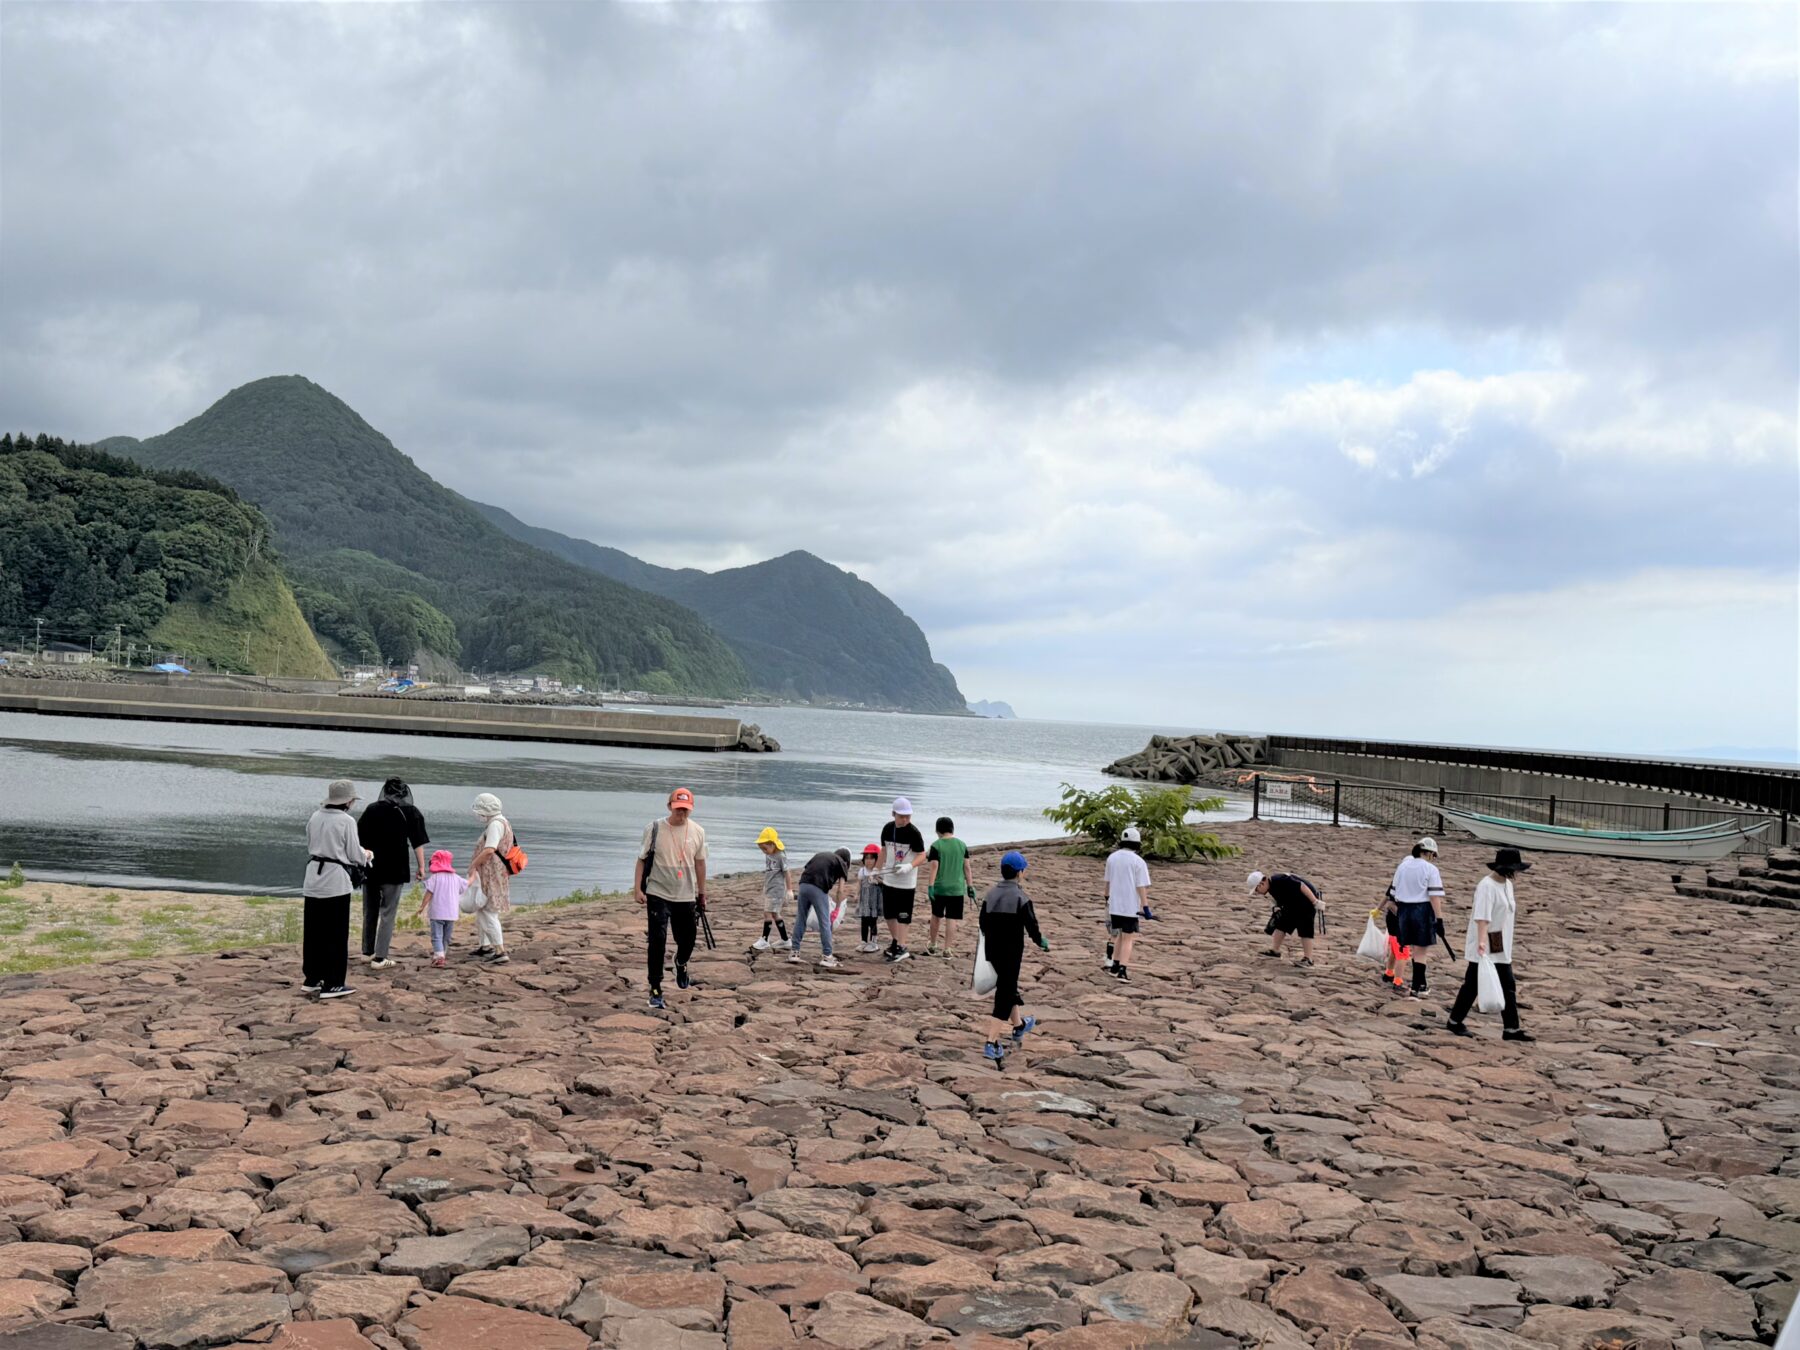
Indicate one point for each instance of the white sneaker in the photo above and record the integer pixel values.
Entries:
(868, 947)
(828, 962)
(760, 945)
(793, 958)
(380, 963)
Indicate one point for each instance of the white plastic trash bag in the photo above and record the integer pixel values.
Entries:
(986, 977)
(1489, 996)
(1374, 943)
(472, 898)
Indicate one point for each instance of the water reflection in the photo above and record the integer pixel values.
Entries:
(143, 803)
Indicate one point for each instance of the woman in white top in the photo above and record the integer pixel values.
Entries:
(488, 869)
(1491, 935)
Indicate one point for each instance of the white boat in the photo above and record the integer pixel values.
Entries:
(1702, 843)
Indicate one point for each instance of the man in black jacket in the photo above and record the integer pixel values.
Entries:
(389, 827)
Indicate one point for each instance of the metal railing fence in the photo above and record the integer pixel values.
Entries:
(1341, 801)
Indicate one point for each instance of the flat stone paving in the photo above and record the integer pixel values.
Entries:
(1230, 1150)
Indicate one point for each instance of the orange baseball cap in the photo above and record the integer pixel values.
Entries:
(681, 797)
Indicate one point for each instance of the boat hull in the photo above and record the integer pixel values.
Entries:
(1676, 846)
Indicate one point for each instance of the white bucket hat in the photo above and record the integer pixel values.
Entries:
(1427, 844)
(902, 807)
(1252, 881)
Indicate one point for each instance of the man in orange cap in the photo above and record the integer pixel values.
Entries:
(671, 886)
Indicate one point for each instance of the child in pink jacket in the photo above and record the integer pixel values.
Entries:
(442, 903)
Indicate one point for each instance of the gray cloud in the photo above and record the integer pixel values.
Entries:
(712, 282)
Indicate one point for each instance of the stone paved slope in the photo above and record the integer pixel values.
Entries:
(1231, 1150)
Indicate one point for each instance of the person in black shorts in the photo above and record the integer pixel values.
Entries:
(1296, 910)
(902, 849)
(1006, 920)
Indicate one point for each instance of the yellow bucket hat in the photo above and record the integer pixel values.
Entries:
(768, 836)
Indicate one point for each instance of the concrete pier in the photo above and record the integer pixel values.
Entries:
(388, 716)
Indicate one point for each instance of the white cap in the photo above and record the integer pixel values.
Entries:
(1131, 835)
(902, 807)
(1428, 844)
(1252, 881)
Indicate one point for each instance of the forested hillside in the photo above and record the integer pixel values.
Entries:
(389, 560)
(95, 545)
(803, 628)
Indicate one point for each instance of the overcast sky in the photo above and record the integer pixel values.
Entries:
(1426, 372)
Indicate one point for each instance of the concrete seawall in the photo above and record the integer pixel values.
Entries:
(1527, 773)
(327, 712)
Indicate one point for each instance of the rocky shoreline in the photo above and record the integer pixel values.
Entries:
(1228, 1151)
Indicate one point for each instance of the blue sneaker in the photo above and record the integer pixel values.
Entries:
(656, 1002)
(1023, 1027)
(993, 1050)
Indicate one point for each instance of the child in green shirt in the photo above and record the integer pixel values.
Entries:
(949, 884)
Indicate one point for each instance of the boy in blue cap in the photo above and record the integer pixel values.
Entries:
(1007, 918)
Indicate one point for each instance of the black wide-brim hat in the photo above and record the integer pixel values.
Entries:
(1508, 860)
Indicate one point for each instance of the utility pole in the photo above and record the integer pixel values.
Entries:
(40, 643)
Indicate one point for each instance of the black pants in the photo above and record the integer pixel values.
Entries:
(1465, 997)
(1006, 960)
(662, 915)
(324, 940)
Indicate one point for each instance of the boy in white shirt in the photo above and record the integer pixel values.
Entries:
(1127, 894)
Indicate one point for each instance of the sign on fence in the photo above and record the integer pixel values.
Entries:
(1278, 792)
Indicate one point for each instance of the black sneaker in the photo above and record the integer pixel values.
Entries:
(898, 955)
(1119, 972)
(337, 991)
(1517, 1036)
(1266, 952)
(1457, 1029)
(681, 977)
(1305, 962)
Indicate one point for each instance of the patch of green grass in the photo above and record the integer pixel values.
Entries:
(14, 879)
(258, 901)
(20, 963)
(72, 940)
(581, 898)
(10, 926)
(108, 918)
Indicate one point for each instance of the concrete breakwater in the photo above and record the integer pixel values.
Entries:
(329, 712)
(1190, 759)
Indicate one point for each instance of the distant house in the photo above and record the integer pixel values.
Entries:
(67, 654)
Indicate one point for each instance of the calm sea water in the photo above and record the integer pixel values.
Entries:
(217, 807)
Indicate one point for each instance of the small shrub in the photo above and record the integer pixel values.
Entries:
(1159, 813)
(14, 878)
